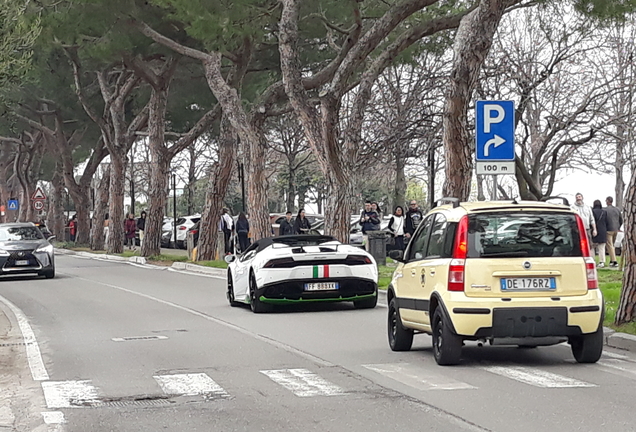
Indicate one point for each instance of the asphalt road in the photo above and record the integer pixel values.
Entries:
(128, 348)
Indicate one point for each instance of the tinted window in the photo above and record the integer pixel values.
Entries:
(436, 245)
(417, 245)
(180, 221)
(196, 220)
(523, 235)
(20, 233)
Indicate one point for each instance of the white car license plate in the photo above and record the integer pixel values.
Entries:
(321, 286)
(22, 262)
(528, 284)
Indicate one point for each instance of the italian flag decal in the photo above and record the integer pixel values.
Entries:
(321, 271)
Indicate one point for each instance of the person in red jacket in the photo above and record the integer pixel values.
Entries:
(72, 227)
(130, 227)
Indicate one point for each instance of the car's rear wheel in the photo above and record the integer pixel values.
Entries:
(400, 338)
(230, 290)
(256, 304)
(447, 346)
(369, 303)
(588, 348)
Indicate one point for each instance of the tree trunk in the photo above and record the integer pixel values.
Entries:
(472, 44)
(81, 198)
(217, 188)
(99, 214)
(480, 188)
(116, 204)
(192, 178)
(627, 307)
(55, 216)
(338, 208)
(291, 188)
(619, 165)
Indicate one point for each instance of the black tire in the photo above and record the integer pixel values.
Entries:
(49, 274)
(400, 338)
(256, 304)
(230, 290)
(588, 348)
(369, 303)
(447, 346)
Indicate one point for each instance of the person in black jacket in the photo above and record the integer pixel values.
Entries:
(301, 225)
(600, 239)
(286, 226)
(141, 227)
(243, 229)
(369, 219)
(413, 218)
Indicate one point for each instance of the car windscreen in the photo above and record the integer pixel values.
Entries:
(20, 234)
(508, 235)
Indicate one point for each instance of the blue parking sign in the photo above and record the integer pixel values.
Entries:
(13, 205)
(495, 131)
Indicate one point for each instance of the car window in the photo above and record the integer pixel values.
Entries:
(180, 221)
(20, 234)
(196, 220)
(419, 242)
(436, 244)
(522, 235)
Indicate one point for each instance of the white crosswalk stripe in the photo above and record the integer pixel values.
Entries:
(418, 377)
(303, 383)
(66, 394)
(189, 385)
(537, 377)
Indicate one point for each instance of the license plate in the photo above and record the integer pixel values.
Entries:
(321, 286)
(528, 284)
(22, 262)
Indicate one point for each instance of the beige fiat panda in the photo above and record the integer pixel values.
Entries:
(514, 272)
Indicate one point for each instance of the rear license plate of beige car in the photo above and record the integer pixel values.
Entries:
(321, 286)
(528, 284)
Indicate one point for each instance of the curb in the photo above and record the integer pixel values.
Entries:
(199, 269)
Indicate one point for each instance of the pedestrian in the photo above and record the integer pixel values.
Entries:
(396, 226)
(227, 226)
(600, 239)
(614, 223)
(370, 221)
(106, 230)
(286, 226)
(130, 228)
(413, 217)
(72, 228)
(243, 229)
(585, 212)
(141, 226)
(376, 208)
(301, 224)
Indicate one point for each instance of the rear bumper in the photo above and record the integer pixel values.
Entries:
(529, 317)
(293, 291)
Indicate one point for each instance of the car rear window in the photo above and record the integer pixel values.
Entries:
(180, 221)
(507, 235)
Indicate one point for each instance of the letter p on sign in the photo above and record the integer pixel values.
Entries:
(488, 115)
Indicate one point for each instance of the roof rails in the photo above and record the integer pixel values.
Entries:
(454, 201)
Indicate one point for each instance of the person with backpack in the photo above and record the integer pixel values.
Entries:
(396, 226)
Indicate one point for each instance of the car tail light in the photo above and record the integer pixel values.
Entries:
(194, 231)
(584, 242)
(357, 260)
(183, 228)
(280, 263)
(590, 269)
(458, 263)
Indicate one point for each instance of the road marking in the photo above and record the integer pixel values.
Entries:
(417, 377)
(53, 417)
(615, 355)
(133, 338)
(241, 330)
(536, 377)
(303, 383)
(66, 394)
(619, 365)
(189, 385)
(34, 357)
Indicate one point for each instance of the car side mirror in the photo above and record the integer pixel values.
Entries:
(230, 258)
(397, 255)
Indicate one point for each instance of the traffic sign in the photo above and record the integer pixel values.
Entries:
(13, 205)
(38, 205)
(38, 194)
(495, 137)
(495, 167)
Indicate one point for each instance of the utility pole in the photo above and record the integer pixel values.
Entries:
(431, 176)
(241, 174)
(174, 207)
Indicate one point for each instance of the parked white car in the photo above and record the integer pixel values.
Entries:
(184, 223)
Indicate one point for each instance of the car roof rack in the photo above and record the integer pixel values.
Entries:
(451, 200)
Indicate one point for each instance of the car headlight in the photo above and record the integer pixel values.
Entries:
(46, 248)
(4, 253)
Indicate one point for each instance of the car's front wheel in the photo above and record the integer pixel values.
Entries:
(400, 338)
(447, 346)
(256, 304)
(588, 348)
(230, 290)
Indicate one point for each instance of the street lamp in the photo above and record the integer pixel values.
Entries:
(174, 207)
(241, 176)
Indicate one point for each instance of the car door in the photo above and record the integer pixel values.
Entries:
(411, 302)
(242, 272)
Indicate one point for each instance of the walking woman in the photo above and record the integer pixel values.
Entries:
(301, 225)
(396, 226)
(130, 227)
(599, 240)
(243, 229)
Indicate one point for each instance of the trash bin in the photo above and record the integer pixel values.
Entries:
(377, 246)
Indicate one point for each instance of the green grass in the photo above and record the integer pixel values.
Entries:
(215, 264)
(385, 274)
(168, 258)
(611, 282)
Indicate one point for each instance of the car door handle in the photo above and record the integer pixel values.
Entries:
(413, 272)
(432, 272)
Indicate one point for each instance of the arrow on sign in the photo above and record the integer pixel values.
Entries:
(493, 142)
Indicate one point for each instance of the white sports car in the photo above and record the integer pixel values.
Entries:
(301, 268)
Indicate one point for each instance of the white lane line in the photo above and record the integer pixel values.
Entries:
(53, 417)
(303, 383)
(34, 357)
(136, 338)
(537, 377)
(621, 366)
(66, 394)
(241, 330)
(615, 355)
(189, 385)
(189, 273)
(416, 377)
